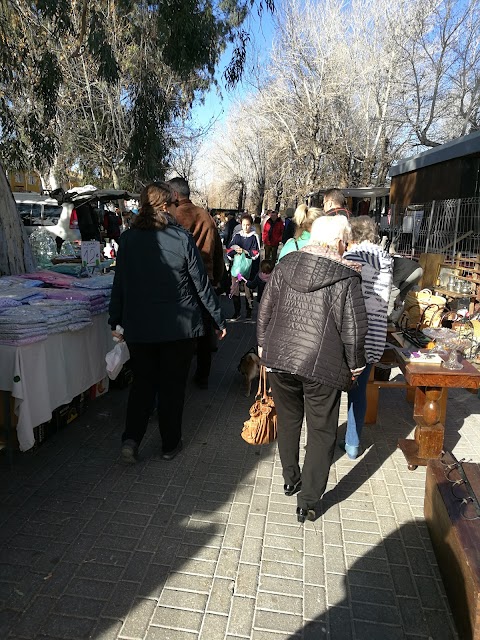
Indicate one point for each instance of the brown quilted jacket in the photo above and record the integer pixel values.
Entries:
(201, 225)
(312, 320)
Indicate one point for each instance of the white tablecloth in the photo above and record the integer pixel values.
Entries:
(44, 375)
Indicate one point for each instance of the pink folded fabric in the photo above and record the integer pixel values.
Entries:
(50, 277)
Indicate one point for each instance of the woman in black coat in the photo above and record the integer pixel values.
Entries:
(159, 290)
(311, 329)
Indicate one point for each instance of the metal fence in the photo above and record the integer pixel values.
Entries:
(448, 227)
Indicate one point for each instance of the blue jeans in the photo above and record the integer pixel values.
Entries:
(357, 407)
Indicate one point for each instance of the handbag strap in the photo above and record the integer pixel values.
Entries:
(262, 383)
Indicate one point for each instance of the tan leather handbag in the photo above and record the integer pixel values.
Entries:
(261, 428)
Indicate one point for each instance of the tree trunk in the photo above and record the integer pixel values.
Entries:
(15, 251)
(115, 178)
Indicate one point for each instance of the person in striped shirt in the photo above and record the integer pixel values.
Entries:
(377, 269)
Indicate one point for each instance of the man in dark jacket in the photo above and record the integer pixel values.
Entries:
(335, 204)
(272, 235)
(229, 227)
(311, 331)
(204, 230)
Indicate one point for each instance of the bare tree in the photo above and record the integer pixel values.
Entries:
(349, 89)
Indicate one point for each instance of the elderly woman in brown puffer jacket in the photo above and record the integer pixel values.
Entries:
(311, 330)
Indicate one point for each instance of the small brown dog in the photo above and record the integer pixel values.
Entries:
(249, 367)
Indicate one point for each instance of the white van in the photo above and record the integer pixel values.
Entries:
(37, 210)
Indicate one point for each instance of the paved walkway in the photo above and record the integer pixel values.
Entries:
(207, 546)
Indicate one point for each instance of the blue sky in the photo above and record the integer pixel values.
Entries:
(216, 107)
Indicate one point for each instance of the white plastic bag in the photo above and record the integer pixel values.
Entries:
(117, 357)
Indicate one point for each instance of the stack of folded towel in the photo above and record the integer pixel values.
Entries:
(22, 325)
(65, 315)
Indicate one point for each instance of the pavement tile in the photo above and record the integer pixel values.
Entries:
(241, 616)
(115, 542)
(153, 581)
(274, 584)
(287, 543)
(67, 627)
(246, 583)
(239, 514)
(183, 599)
(195, 567)
(256, 525)
(90, 588)
(279, 602)
(103, 572)
(334, 559)
(336, 588)
(367, 563)
(120, 600)
(221, 596)
(276, 621)
(293, 556)
(227, 564)
(61, 576)
(214, 627)
(413, 616)
(340, 623)
(375, 631)
(138, 619)
(314, 602)
(196, 552)
(32, 618)
(200, 538)
(107, 629)
(440, 625)
(403, 581)
(180, 619)
(200, 584)
(74, 605)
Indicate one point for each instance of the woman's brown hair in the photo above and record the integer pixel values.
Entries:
(154, 198)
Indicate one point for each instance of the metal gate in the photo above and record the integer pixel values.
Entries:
(442, 226)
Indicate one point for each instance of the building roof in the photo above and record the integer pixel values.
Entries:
(358, 192)
(464, 146)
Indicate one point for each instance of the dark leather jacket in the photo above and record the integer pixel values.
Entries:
(161, 287)
(312, 319)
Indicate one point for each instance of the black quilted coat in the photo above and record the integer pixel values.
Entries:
(312, 319)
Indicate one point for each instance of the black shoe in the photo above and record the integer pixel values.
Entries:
(305, 514)
(129, 452)
(170, 455)
(235, 317)
(290, 489)
(249, 313)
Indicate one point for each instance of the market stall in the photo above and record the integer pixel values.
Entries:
(45, 375)
(54, 336)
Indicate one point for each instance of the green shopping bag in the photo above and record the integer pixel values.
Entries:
(241, 265)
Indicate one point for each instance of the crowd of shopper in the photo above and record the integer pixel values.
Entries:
(324, 301)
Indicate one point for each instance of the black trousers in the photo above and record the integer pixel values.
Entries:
(295, 396)
(159, 368)
(204, 348)
(271, 254)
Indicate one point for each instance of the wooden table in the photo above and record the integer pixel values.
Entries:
(431, 383)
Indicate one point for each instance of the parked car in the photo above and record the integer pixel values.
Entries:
(57, 211)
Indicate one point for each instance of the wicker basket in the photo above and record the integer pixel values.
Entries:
(423, 309)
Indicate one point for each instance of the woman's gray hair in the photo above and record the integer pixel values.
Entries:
(364, 228)
(329, 230)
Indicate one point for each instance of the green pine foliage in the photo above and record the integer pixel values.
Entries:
(99, 83)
